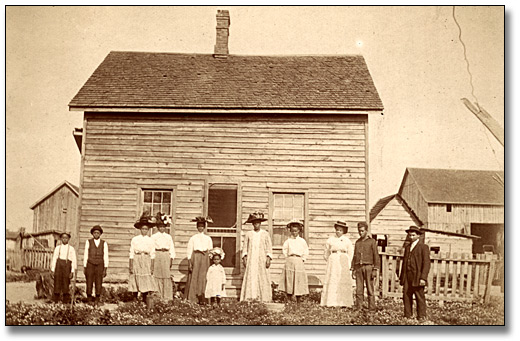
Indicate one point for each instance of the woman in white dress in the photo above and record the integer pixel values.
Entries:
(142, 255)
(337, 287)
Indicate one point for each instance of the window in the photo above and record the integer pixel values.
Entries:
(448, 207)
(155, 201)
(222, 208)
(285, 207)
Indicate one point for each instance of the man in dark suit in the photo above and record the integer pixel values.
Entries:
(414, 273)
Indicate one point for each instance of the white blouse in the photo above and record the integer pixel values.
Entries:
(163, 240)
(65, 252)
(199, 242)
(142, 244)
(339, 244)
(295, 246)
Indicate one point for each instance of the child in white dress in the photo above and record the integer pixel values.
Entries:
(215, 277)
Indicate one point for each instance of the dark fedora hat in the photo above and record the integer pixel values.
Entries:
(96, 228)
(342, 224)
(255, 216)
(67, 233)
(202, 219)
(414, 229)
(145, 220)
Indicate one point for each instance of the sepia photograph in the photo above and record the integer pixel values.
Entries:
(255, 165)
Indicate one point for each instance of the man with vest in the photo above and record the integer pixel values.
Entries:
(95, 262)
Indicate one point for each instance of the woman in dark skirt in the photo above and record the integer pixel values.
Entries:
(62, 268)
(198, 262)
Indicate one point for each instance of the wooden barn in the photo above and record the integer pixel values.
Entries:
(224, 135)
(468, 202)
(391, 216)
(56, 210)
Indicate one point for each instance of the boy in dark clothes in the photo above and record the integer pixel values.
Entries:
(364, 266)
(95, 262)
(62, 268)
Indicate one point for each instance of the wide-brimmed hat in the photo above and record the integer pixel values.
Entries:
(414, 229)
(202, 219)
(216, 251)
(67, 233)
(145, 220)
(255, 216)
(295, 222)
(342, 224)
(96, 228)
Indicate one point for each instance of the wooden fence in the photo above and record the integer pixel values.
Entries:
(36, 258)
(452, 277)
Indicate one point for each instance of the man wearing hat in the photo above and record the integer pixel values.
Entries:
(256, 256)
(95, 262)
(414, 273)
(62, 268)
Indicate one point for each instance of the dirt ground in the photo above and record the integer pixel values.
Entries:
(21, 291)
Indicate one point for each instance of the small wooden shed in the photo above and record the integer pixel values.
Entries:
(469, 202)
(224, 135)
(56, 210)
(391, 216)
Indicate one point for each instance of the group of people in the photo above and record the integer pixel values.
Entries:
(151, 258)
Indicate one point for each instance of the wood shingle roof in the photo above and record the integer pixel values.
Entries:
(453, 186)
(176, 80)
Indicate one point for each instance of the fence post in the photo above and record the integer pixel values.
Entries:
(491, 274)
(384, 272)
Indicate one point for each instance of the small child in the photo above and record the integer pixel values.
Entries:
(62, 268)
(295, 249)
(216, 277)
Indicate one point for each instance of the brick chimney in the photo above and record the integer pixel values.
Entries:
(221, 46)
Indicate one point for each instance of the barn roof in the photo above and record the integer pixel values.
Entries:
(449, 186)
(74, 188)
(201, 81)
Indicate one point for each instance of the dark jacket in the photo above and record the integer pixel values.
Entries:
(365, 253)
(417, 262)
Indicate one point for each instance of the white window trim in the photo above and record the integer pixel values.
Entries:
(305, 193)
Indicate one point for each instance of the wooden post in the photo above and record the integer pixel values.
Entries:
(454, 275)
(446, 276)
(384, 272)
(491, 274)
(469, 278)
(477, 278)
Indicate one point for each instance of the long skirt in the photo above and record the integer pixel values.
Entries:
(294, 278)
(196, 284)
(142, 280)
(161, 273)
(337, 287)
(256, 283)
(62, 276)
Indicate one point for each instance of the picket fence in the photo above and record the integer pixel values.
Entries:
(36, 258)
(452, 277)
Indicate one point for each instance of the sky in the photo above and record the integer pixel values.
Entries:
(413, 53)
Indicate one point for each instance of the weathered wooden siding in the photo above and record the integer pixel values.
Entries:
(461, 216)
(392, 221)
(57, 212)
(323, 155)
(409, 191)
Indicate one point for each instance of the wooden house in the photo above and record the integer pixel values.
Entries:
(224, 135)
(469, 202)
(56, 210)
(391, 216)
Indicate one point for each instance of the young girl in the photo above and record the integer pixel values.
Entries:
(216, 277)
(295, 249)
(62, 268)
(142, 255)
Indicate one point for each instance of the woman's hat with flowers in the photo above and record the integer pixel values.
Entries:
(216, 251)
(295, 222)
(202, 219)
(255, 216)
(147, 220)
